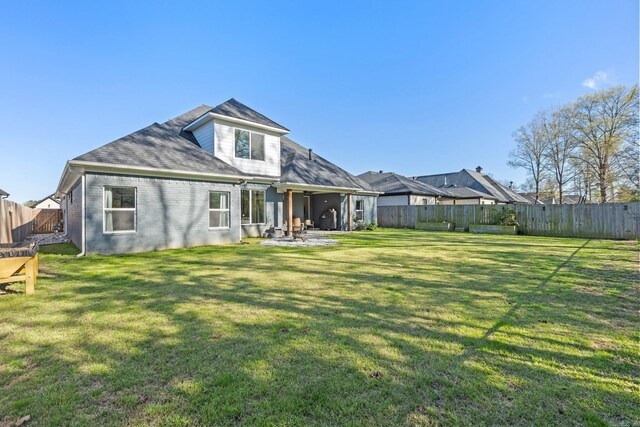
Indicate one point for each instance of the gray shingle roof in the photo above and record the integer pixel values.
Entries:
(531, 197)
(160, 147)
(237, 110)
(3, 193)
(467, 193)
(393, 183)
(177, 123)
(168, 146)
(475, 181)
(298, 169)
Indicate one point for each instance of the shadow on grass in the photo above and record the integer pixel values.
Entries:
(253, 335)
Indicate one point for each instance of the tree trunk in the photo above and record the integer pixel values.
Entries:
(560, 192)
(603, 184)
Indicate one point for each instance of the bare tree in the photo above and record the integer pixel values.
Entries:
(529, 153)
(603, 122)
(560, 146)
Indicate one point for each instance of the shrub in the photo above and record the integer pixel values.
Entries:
(505, 216)
(361, 225)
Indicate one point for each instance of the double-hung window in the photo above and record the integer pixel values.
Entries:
(252, 207)
(249, 145)
(218, 209)
(119, 209)
(359, 210)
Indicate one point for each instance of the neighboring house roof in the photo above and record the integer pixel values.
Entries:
(467, 193)
(3, 193)
(531, 197)
(50, 196)
(475, 181)
(298, 168)
(392, 183)
(567, 199)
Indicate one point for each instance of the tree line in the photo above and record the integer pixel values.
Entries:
(589, 147)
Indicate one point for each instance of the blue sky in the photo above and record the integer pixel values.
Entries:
(413, 87)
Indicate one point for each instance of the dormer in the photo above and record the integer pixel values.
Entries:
(241, 137)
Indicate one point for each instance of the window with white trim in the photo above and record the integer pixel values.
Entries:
(252, 207)
(218, 209)
(119, 209)
(249, 145)
(359, 210)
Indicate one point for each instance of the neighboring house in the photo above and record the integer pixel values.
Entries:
(399, 190)
(466, 196)
(48, 202)
(488, 190)
(3, 194)
(567, 199)
(208, 176)
(531, 197)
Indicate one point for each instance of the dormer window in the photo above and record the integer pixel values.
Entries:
(249, 145)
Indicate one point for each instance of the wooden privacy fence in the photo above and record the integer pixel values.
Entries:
(18, 222)
(46, 220)
(603, 221)
(15, 221)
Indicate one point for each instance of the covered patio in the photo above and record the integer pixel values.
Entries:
(309, 204)
(311, 186)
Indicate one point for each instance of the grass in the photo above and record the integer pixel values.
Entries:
(389, 327)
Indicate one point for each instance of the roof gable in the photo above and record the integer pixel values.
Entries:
(237, 110)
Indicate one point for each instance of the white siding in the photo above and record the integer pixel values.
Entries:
(204, 135)
(47, 203)
(224, 142)
(401, 200)
(467, 202)
(419, 200)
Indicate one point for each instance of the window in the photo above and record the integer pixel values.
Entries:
(249, 145)
(359, 210)
(218, 209)
(119, 209)
(252, 207)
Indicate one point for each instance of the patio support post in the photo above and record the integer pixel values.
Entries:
(289, 212)
(350, 214)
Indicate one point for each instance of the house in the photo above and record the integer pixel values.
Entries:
(211, 175)
(466, 196)
(567, 199)
(531, 197)
(399, 190)
(3, 194)
(484, 189)
(48, 202)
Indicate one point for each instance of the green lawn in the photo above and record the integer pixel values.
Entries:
(389, 327)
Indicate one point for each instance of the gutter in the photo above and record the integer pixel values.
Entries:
(330, 189)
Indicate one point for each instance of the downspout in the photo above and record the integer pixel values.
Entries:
(84, 204)
(64, 215)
